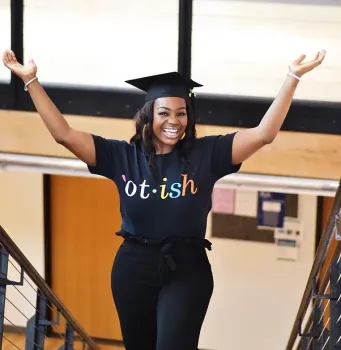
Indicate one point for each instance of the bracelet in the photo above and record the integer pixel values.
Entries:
(29, 82)
(294, 76)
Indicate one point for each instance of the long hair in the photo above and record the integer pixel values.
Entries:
(144, 134)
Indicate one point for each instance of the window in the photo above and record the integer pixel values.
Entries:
(101, 42)
(5, 30)
(244, 47)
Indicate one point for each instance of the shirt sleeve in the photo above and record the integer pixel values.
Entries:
(221, 160)
(108, 157)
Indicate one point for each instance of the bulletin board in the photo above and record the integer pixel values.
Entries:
(235, 215)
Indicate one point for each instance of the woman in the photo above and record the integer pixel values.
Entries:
(161, 278)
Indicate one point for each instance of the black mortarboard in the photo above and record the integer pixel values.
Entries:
(171, 84)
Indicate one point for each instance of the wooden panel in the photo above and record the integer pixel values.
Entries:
(85, 216)
(326, 209)
(291, 154)
(327, 206)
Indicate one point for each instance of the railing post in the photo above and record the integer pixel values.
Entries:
(69, 338)
(313, 339)
(3, 284)
(317, 328)
(335, 306)
(36, 326)
(35, 331)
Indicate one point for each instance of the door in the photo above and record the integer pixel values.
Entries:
(84, 218)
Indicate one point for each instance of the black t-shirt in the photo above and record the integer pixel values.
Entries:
(178, 204)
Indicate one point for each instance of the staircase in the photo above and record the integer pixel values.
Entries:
(46, 312)
(317, 325)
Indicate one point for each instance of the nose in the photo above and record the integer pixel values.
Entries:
(172, 119)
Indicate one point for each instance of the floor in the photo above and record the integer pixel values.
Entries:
(18, 341)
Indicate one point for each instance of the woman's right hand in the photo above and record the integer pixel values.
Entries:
(25, 73)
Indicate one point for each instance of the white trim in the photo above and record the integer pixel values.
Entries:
(75, 167)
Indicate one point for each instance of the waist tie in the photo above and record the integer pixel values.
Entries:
(167, 258)
(167, 262)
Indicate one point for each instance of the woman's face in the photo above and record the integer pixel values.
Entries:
(169, 122)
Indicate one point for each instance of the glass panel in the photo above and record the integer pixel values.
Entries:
(5, 31)
(245, 47)
(101, 42)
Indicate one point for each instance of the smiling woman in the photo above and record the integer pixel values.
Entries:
(170, 121)
(166, 120)
(161, 274)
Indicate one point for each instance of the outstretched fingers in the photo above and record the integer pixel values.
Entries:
(300, 59)
(318, 59)
(5, 57)
(8, 57)
(12, 55)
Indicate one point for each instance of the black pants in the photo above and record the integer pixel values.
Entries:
(161, 293)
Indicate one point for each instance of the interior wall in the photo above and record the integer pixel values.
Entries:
(22, 217)
(291, 154)
(253, 291)
(256, 297)
(238, 47)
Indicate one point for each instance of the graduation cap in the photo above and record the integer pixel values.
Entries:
(171, 84)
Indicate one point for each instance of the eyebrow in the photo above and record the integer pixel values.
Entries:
(170, 109)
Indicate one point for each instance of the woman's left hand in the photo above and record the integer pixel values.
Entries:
(299, 68)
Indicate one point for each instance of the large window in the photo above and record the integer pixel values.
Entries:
(101, 42)
(245, 47)
(5, 32)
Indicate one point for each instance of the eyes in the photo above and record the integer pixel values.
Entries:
(166, 114)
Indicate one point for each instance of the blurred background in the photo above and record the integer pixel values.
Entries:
(273, 226)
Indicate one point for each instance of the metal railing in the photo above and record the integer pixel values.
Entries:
(37, 325)
(254, 182)
(320, 328)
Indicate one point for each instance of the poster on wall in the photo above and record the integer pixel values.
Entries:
(223, 200)
(270, 210)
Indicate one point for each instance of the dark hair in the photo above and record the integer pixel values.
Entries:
(144, 136)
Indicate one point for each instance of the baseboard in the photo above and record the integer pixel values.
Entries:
(22, 330)
(14, 329)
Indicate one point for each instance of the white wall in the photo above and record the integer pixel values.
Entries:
(21, 215)
(244, 48)
(239, 47)
(5, 30)
(107, 41)
(256, 297)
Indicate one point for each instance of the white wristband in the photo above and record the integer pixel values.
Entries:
(29, 82)
(294, 76)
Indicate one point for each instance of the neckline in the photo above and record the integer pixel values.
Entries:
(161, 155)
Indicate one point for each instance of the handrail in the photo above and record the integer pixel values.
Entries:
(320, 256)
(321, 290)
(17, 254)
(72, 166)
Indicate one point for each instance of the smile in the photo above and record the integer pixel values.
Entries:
(171, 133)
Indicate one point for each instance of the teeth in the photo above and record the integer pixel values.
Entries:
(171, 133)
(171, 130)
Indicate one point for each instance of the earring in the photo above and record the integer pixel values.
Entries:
(144, 128)
(183, 136)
